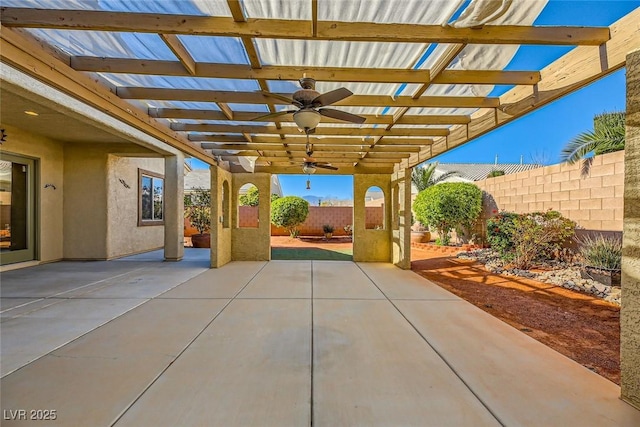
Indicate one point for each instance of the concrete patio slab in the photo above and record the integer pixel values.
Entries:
(247, 345)
(403, 284)
(219, 282)
(506, 368)
(281, 279)
(372, 369)
(28, 337)
(92, 380)
(342, 280)
(244, 370)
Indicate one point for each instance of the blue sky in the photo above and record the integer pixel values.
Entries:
(538, 136)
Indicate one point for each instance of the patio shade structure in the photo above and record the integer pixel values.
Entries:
(197, 73)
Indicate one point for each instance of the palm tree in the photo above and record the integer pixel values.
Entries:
(424, 177)
(606, 137)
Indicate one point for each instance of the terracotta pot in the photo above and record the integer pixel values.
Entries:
(201, 240)
(328, 235)
(420, 236)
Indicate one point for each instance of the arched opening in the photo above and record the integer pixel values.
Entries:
(374, 202)
(226, 204)
(248, 206)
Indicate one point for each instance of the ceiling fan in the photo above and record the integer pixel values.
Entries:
(310, 103)
(310, 164)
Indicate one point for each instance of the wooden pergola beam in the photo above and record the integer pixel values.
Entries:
(330, 148)
(245, 116)
(574, 70)
(181, 52)
(27, 55)
(197, 95)
(357, 141)
(288, 169)
(298, 29)
(343, 131)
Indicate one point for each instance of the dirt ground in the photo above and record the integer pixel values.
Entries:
(580, 326)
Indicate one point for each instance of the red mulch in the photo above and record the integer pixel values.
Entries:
(582, 327)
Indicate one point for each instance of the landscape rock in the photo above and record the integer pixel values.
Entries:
(561, 274)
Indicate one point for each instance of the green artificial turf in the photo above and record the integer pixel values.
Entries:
(311, 254)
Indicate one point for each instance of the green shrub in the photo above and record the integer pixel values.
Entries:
(197, 207)
(251, 197)
(601, 252)
(495, 173)
(500, 230)
(525, 238)
(289, 212)
(327, 228)
(448, 206)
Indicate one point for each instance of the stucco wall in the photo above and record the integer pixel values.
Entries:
(50, 157)
(371, 245)
(630, 311)
(594, 202)
(220, 225)
(124, 236)
(401, 218)
(251, 243)
(85, 201)
(100, 213)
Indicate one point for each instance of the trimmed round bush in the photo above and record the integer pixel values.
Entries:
(449, 206)
(289, 212)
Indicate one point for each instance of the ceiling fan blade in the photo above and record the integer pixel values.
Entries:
(309, 159)
(281, 98)
(269, 117)
(342, 115)
(326, 166)
(331, 97)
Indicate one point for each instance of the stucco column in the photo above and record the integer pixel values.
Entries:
(630, 312)
(174, 207)
(401, 183)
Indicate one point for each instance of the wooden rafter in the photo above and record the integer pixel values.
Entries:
(569, 73)
(181, 52)
(244, 116)
(331, 148)
(298, 29)
(346, 131)
(239, 71)
(197, 95)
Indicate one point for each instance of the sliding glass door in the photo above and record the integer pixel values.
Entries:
(17, 209)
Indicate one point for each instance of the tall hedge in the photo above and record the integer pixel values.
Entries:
(449, 206)
(289, 212)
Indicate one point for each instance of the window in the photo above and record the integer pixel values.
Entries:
(151, 198)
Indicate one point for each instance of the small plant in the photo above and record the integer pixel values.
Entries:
(348, 229)
(602, 252)
(495, 173)
(327, 228)
(524, 238)
(289, 212)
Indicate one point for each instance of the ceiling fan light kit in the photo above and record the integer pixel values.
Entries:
(306, 119)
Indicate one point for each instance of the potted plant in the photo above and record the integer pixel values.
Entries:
(328, 231)
(198, 211)
(602, 257)
(419, 233)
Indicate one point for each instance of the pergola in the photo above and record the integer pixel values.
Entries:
(194, 76)
(434, 112)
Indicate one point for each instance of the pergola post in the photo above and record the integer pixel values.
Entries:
(221, 182)
(252, 243)
(630, 312)
(401, 213)
(174, 207)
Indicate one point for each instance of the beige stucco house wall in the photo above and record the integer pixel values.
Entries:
(49, 210)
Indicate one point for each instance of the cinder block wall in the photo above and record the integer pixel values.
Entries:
(594, 202)
(338, 216)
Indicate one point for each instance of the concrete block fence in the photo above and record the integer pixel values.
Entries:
(594, 202)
